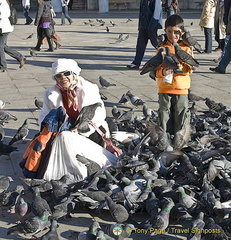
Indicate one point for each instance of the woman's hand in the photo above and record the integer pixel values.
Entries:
(166, 71)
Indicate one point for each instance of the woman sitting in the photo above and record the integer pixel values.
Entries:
(61, 107)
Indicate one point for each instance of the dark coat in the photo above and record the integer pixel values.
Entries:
(228, 20)
(44, 12)
(150, 16)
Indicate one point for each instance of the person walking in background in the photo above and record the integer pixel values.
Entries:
(219, 26)
(5, 29)
(171, 7)
(207, 23)
(54, 36)
(43, 20)
(65, 12)
(26, 8)
(150, 20)
(226, 58)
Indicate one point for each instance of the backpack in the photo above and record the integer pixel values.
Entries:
(13, 15)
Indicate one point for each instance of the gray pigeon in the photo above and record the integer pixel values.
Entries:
(92, 166)
(124, 99)
(60, 188)
(38, 103)
(153, 63)
(152, 204)
(116, 113)
(5, 183)
(186, 200)
(64, 208)
(39, 205)
(21, 133)
(161, 221)
(85, 116)
(196, 227)
(22, 207)
(216, 166)
(184, 56)
(133, 188)
(6, 116)
(148, 112)
(126, 116)
(135, 100)
(212, 105)
(189, 40)
(52, 234)
(30, 36)
(170, 60)
(31, 226)
(158, 135)
(183, 135)
(118, 212)
(104, 83)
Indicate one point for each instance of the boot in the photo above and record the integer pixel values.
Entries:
(57, 45)
(38, 45)
(50, 43)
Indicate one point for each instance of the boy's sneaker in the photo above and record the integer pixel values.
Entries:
(133, 66)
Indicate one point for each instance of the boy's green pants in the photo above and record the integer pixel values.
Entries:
(173, 110)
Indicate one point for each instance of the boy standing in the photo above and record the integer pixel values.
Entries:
(173, 87)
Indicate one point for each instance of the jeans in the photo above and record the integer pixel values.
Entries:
(5, 49)
(173, 110)
(142, 41)
(208, 40)
(227, 56)
(29, 20)
(65, 15)
(226, 41)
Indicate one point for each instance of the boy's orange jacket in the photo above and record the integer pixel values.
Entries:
(181, 81)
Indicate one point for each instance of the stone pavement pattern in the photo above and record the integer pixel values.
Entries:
(98, 54)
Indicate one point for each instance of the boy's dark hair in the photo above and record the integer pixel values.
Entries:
(174, 21)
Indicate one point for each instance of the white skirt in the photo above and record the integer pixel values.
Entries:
(63, 160)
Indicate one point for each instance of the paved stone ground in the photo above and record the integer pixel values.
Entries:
(98, 54)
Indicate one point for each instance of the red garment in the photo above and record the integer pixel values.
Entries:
(69, 110)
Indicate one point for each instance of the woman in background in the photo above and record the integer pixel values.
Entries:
(43, 20)
(207, 23)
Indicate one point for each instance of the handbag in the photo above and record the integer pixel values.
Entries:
(13, 15)
(108, 142)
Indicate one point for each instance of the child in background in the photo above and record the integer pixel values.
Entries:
(173, 96)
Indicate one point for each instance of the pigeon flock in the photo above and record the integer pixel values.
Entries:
(168, 179)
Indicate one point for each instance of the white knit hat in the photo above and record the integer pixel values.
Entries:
(64, 64)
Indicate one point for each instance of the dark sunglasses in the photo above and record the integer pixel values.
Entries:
(59, 75)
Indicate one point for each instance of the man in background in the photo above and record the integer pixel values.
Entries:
(150, 20)
(26, 8)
